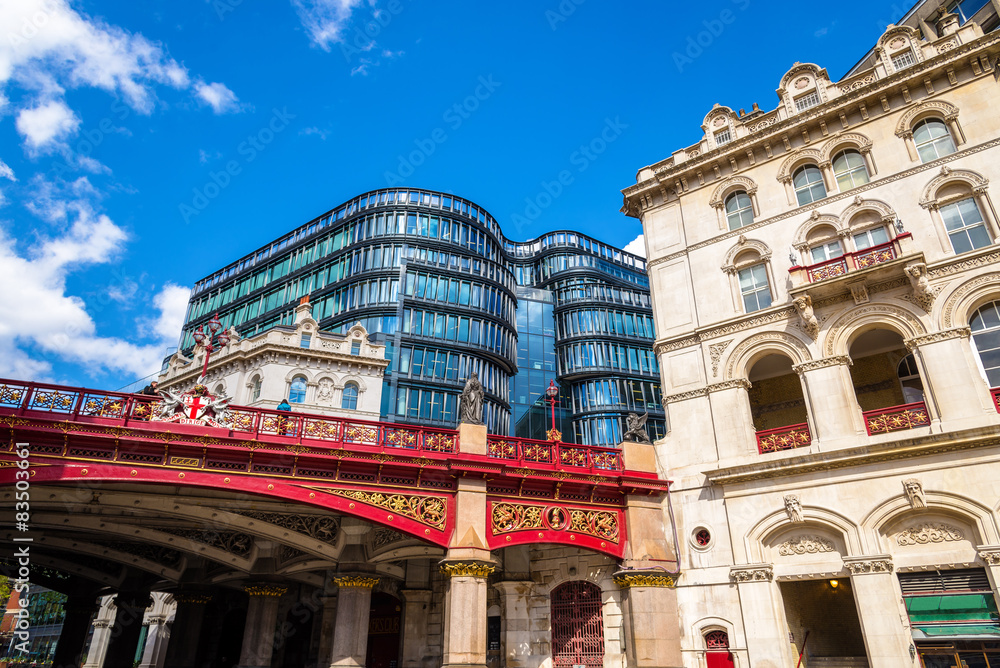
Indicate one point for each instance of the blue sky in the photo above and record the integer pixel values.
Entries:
(145, 144)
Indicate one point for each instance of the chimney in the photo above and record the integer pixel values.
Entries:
(303, 310)
(756, 108)
(947, 24)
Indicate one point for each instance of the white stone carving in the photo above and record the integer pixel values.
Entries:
(793, 508)
(804, 306)
(915, 493)
(805, 545)
(923, 534)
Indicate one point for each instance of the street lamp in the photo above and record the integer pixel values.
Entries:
(552, 396)
(202, 337)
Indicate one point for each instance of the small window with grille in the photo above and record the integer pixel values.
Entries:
(902, 60)
(806, 101)
(723, 137)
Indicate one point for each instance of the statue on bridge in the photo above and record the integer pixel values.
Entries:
(470, 410)
(636, 429)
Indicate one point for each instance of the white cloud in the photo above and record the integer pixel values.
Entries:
(637, 246)
(322, 134)
(6, 172)
(47, 124)
(325, 20)
(218, 96)
(40, 316)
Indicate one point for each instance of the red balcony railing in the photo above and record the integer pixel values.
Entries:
(848, 262)
(783, 438)
(897, 418)
(996, 397)
(241, 421)
(530, 453)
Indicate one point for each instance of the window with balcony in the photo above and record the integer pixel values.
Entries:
(826, 251)
(875, 236)
(985, 324)
(754, 288)
(850, 170)
(777, 405)
(350, 397)
(965, 225)
(739, 210)
(297, 392)
(932, 139)
(887, 383)
(808, 183)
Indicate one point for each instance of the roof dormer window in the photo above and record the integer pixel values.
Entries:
(810, 99)
(723, 137)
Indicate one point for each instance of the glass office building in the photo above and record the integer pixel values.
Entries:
(433, 277)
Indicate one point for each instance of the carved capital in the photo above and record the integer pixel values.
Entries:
(864, 565)
(730, 385)
(989, 554)
(812, 365)
(465, 569)
(683, 396)
(265, 590)
(355, 581)
(629, 579)
(934, 337)
(752, 573)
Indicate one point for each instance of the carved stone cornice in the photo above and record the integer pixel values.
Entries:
(630, 579)
(268, 590)
(880, 563)
(934, 337)
(467, 569)
(812, 365)
(676, 344)
(752, 573)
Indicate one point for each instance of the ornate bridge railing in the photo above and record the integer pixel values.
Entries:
(897, 418)
(84, 405)
(996, 397)
(530, 453)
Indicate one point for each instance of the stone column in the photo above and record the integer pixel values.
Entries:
(465, 612)
(99, 643)
(157, 637)
(649, 613)
(952, 385)
(262, 619)
(80, 609)
(881, 612)
(766, 634)
(185, 632)
(131, 606)
(328, 624)
(350, 638)
(516, 595)
(731, 417)
(416, 605)
(829, 395)
(990, 555)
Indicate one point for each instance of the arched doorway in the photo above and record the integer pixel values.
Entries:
(383, 631)
(577, 625)
(777, 404)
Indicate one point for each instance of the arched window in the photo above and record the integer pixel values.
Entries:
(985, 324)
(965, 225)
(850, 170)
(909, 380)
(255, 389)
(932, 139)
(739, 210)
(577, 625)
(754, 288)
(350, 398)
(809, 186)
(297, 394)
(718, 656)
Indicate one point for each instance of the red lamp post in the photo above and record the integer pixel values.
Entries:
(552, 396)
(203, 337)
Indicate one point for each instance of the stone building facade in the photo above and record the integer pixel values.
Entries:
(826, 291)
(316, 371)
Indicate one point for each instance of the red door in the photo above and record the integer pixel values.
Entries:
(718, 655)
(577, 625)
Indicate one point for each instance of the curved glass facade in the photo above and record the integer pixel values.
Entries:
(433, 276)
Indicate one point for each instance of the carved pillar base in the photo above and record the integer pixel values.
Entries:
(649, 612)
(262, 617)
(350, 638)
(465, 613)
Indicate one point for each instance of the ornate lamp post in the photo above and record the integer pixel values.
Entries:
(552, 396)
(203, 337)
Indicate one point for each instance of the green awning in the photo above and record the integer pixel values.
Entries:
(957, 632)
(955, 608)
